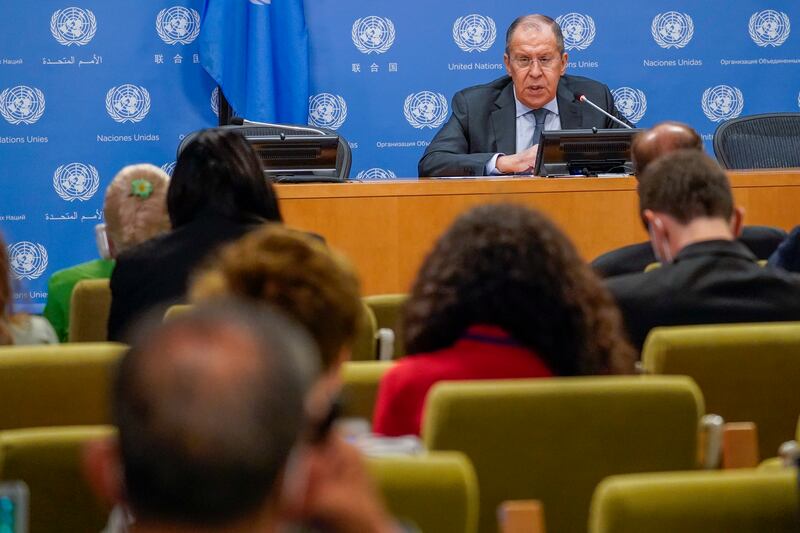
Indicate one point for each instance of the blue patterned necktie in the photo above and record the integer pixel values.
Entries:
(539, 115)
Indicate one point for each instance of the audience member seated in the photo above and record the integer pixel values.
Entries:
(661, 139)
(706, 276)
(298, 274)
(217, 193)
(787, 256)
(503, 294)
(18, 328)
(214, 434)
(135, 210)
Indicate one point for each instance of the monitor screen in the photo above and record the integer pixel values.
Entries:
(585, 152)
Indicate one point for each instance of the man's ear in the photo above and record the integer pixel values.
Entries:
(737, 221)
(564, 61)
(102, 469)
(507, 63)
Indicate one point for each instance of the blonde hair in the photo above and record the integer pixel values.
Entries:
(294, 272)
(131, 218)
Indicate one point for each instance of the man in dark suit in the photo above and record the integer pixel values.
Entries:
(495, 128)
(706, 276)
(661, 139)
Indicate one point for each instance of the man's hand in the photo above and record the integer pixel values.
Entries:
(523, 162)
(341, 494)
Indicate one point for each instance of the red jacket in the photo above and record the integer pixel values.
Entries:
(484, 352)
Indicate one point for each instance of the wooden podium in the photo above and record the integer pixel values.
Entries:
(387, 227)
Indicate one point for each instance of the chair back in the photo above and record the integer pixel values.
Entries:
(555, 439)
(388, 309)
(49, 461)
(88, 311)
(435, 492)
(360, 383)
(56, 385)
(364, 345)
(745, 501)
(771, 140)
(174, 311)
(747, 372)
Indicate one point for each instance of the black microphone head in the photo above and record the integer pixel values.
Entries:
(237, 121)
(579, 96)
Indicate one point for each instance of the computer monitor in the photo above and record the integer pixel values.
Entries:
(591, 152)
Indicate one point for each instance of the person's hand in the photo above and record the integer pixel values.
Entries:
(522, 162)
(341, 495)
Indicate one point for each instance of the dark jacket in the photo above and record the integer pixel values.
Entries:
(155, 274)
(709, 282)
(483, 123)
(761, 240)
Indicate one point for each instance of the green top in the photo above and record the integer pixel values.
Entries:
(59, 291)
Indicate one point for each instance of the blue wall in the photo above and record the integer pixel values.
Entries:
(84, 92)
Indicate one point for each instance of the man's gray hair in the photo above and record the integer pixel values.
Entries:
(536, 21)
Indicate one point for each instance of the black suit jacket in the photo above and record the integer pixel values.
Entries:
(709, 282)
(761, 240)
(484, 123)
(155, 274)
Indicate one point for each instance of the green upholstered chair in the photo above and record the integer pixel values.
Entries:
(744, 501)
(364, 344)
(387, 309)
(360, 382)
(174, 311)
(56, 385)
(555, 439)
(49, 461)
(88, 311)
(747, 372)
(437, 492)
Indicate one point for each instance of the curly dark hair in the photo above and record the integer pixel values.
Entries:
(510, 266)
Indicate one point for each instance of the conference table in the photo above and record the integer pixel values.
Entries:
(387, 227)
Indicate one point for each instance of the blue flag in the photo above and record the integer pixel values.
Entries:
(257, 51)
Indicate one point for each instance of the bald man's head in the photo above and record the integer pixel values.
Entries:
(661, 139)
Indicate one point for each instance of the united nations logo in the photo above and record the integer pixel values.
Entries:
(178, 25)
(769, 27)
(76, 181)
(722, 102)
(672, 29)
(578, 29)
(373, 34)
(425, 109)
(128, 103)
(73, 25)
(28, 259)
(474, 33)
(376, 174)
(632, 103)
(326, 110)
(169, 168)
(215, 101)
(21, 104)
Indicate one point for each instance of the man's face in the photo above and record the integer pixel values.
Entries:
(534, 64)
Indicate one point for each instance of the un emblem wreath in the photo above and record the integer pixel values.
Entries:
(22, 104)
(769, 28)
(28, 260)
(178, 25)
(672, 29)
(722, 102)
(579, 30)
(373, 34)
(425, 109)
(127, 103)
(73, 25)
(76, 181)
(474, 33)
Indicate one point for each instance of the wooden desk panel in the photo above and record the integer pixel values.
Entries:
(386, 228)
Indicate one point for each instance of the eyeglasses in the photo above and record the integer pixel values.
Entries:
(543, 62)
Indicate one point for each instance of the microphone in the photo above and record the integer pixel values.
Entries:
(582, 98)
